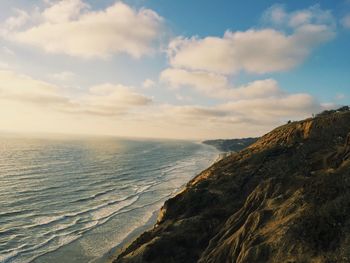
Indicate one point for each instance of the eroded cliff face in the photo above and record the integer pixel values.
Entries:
(286, 198)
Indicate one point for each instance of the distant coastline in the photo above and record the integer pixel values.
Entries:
(231, 145)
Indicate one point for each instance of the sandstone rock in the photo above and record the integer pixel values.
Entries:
(285, 198)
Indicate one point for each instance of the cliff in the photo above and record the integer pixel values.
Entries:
(285, 198)
(231, 145)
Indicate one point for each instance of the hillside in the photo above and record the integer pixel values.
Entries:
(285, 198)
(231, 145)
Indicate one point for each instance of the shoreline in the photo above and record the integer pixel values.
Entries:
(113, 254)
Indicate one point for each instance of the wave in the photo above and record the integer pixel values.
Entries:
(109, 210)
(40, 190)
(96, 213)
(100, 214)
(62, 228)
(51, 201)
(61, 240)
(94, 196)
(15, 213)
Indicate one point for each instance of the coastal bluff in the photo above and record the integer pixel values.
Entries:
(231, 145)
(285, 198)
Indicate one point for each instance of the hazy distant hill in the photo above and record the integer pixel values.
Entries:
(286, 198)
(231, 145)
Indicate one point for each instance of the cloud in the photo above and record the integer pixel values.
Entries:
(277, 15)
(205, 65)
(109, 99)
(256, 51)
(4, 65)
(183, 98)
(15, 22)
(195, 112)
(70, 27)
(63, 76)
(346, 21)
(148, 83)
(25, 89)
(340, 96)
(240, 118)
(64, 11)
(210, 84)
(104, 100)
(217, 86)
(274, 108)
(261, 113)
(118, 109)
(7, 51)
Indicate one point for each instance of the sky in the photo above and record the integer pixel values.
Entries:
(198, 69)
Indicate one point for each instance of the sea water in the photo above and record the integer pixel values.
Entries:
(74, 199)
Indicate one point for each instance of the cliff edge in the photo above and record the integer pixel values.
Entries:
(285, 198)
(231, 145)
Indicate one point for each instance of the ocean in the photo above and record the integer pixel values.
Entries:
(74, 199)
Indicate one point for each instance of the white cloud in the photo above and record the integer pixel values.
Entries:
(148, 83)
(276, 14)
(240, 118)
(69, 27)
(273, 108)
(257, 89)
(346, 21)
(300, 18)
(7, 60)
(255, 107)
(340, 96)
(209, 84)
(50, 108)
(7, 51)
(110, 99)
(196, 112)
(25, 89)
(256, 51)
(106, 99)
(63, 76)
(313, 15)
(64, 11)
(217, 86)
(260, 114)
(4, 65)
(203, 64)
(15, 22)
(183, 98)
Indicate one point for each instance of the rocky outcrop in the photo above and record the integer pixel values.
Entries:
(286, 198)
